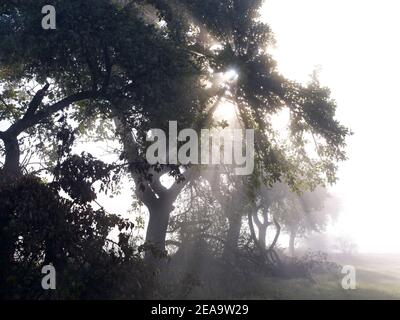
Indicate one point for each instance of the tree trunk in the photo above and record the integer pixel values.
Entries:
(9, 173)
(262, 234)
(11, 169)
(291, 243)
(157, 228)
(158, 199)
(232, 238)
(156, 233)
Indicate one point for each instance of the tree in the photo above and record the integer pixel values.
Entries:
(97, 62)
(94, 71)
(261, 91)
(345, 245)
(301, 215)
(137, 65)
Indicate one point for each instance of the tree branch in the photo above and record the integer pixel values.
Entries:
(257, 220)
(36, 101)
(131, 153)
(177, 187)
(253, 232)
(26, 122)
(278, 231)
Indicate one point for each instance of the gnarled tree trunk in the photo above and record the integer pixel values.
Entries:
(158, 199)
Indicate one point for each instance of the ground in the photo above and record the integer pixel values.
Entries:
(377, 277)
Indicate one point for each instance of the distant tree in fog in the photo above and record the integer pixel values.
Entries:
(302, 215)
(345, 245)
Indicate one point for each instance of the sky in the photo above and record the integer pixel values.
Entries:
(356, 46)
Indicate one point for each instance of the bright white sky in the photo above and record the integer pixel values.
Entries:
(356, 43)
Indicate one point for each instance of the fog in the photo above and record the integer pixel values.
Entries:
(353, 45)
(199, 149)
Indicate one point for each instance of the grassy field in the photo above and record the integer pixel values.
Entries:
(370, 285)
(377, 276)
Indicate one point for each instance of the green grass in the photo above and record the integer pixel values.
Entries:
(370, 285)
(377, 277)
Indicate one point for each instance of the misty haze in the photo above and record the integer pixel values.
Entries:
(100, 199)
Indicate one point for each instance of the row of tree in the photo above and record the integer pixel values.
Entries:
(114, 70)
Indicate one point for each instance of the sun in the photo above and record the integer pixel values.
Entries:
(230, 76)
(226, 110)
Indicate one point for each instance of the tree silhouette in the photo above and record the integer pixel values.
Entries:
(133, 66)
